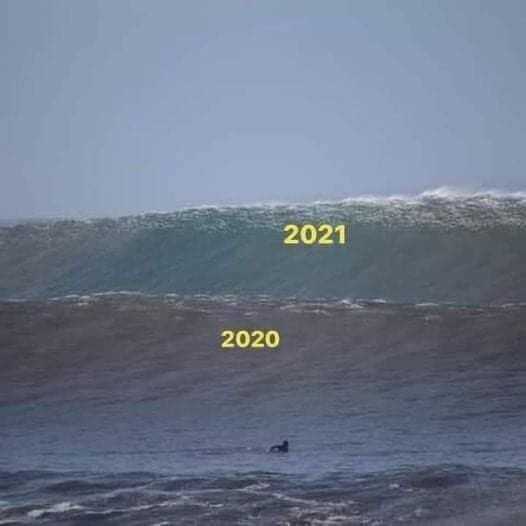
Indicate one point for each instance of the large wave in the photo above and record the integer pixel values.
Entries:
(112, 381)
(441, 246)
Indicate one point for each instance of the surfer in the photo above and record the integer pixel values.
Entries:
(280, 448)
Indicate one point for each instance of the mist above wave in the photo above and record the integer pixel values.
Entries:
(446, 207)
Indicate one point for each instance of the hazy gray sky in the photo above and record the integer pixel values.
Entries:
(119, 107)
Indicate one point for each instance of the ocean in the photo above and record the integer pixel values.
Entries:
(399, 380)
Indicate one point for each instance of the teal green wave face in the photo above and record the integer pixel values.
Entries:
(437, 247)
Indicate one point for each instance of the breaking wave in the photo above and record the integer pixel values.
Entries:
(439, 246)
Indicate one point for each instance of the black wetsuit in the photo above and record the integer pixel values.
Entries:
(280, 448)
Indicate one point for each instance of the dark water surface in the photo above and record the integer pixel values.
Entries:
(123, 409)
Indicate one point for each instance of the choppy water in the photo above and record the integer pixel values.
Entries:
(447, 494)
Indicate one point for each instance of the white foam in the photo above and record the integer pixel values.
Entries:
(455, 200)
(255, 487)
(61, 507)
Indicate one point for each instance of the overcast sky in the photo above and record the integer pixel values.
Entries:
(120, 107)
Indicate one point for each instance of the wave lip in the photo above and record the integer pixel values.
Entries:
(449, 198)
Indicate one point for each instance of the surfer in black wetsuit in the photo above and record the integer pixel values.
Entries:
(280, 448)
